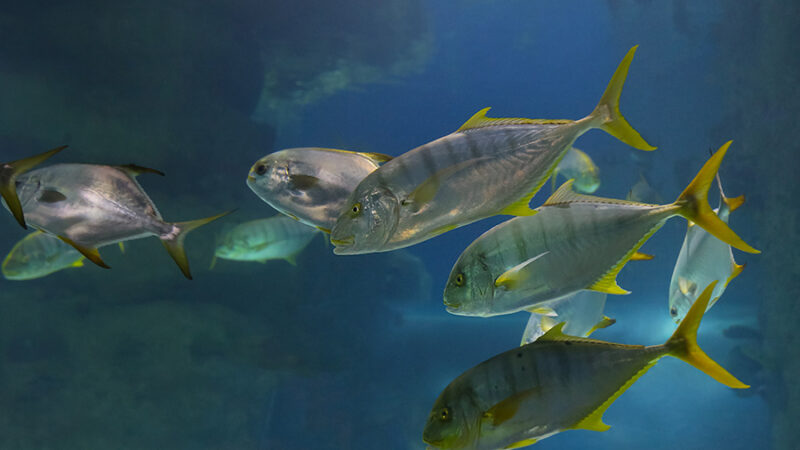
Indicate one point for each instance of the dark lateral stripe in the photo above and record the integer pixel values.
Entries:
(472, 145)
(449, 149)
(427, 161)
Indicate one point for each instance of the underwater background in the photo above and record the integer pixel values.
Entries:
(350, 352)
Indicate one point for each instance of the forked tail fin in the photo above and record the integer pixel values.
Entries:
(607, 110)
(683, 343)
(693, 203)
(174, 242)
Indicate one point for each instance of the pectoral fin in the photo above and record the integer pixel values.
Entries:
(90, 253)
(515, 276)
(686, 286)
(508, 407)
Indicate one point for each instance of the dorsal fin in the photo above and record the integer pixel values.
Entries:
(136, 170)
(556, 334)
(479, 120)
(378, 158)
(565, 195)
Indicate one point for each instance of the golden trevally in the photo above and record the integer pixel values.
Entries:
(89, 206)
(489, 166)
(277, 237)
(554, 384)
(581, 312)
(575, 242)
(577, 165)
(703, 259)
(37, 255)
(311, 184)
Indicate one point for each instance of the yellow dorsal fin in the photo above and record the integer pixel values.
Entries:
(608, 284)
(556, 333)
(522, 443)
(565, 195)
(378, 158)
(508, 407)
(638, 256)
(479, 120)
(737, 269)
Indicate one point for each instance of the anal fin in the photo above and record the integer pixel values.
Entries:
(90, 253)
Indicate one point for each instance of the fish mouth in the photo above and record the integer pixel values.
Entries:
(251, 178)
(344, 242)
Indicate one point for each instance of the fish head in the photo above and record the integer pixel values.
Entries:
(588, 180)
(15, 267)
(28, 187)
(470, 288)
(454, 421)
(679, 304)
(269, 176)
(367, 222)
(230, 247)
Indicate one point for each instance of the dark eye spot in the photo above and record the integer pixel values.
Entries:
(356, 209)
(459, 279)
(673, 311)
(445, 415)
(261, 169)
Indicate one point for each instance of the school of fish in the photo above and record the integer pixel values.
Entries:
(559, 261)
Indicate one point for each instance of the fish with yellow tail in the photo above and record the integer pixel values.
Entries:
(311, 184)
(703, 259)
(487, 167)
(8, 180)
(89, 206)
(581, 313)
(574, 242)
(554, 384)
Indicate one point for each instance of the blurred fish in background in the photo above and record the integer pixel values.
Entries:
(38, 255)
(577, 165)
(582, 314)
(277, 237)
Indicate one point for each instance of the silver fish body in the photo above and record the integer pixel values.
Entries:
(37, 255)
(489, 166)
(92, 205)
(278, 237)
(311, 184)
(581, 312)
(575, 246)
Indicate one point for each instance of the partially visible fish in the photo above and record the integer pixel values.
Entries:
(582, 314)
(703, 259)
(643, 192)
(89, 206)
(489, 166)
(575, 242)
(38, 255)
(554, 384)
(277, 237)
(579, 166)
(311, 184)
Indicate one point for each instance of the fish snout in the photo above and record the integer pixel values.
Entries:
(343, 242)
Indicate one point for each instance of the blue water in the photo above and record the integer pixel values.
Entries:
(343, 352)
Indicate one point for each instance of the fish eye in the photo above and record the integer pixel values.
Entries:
(356, 209)
(673, 311)
(459, 280)
(444, 414)
(261, 169)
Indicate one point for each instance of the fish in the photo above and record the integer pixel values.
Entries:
(489, 166)
(8, 180)
(37, 255)
(703, 258)
(574, 242)
(643, 192)
(89, 206)
(581, 312)
(577, 165)
(311, 184)
(277, 237)
(554, 384)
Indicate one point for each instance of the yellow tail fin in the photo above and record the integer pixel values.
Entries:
(174, 244)
(693, 203)
(608, 112)
(683, 343)
(8, 178)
